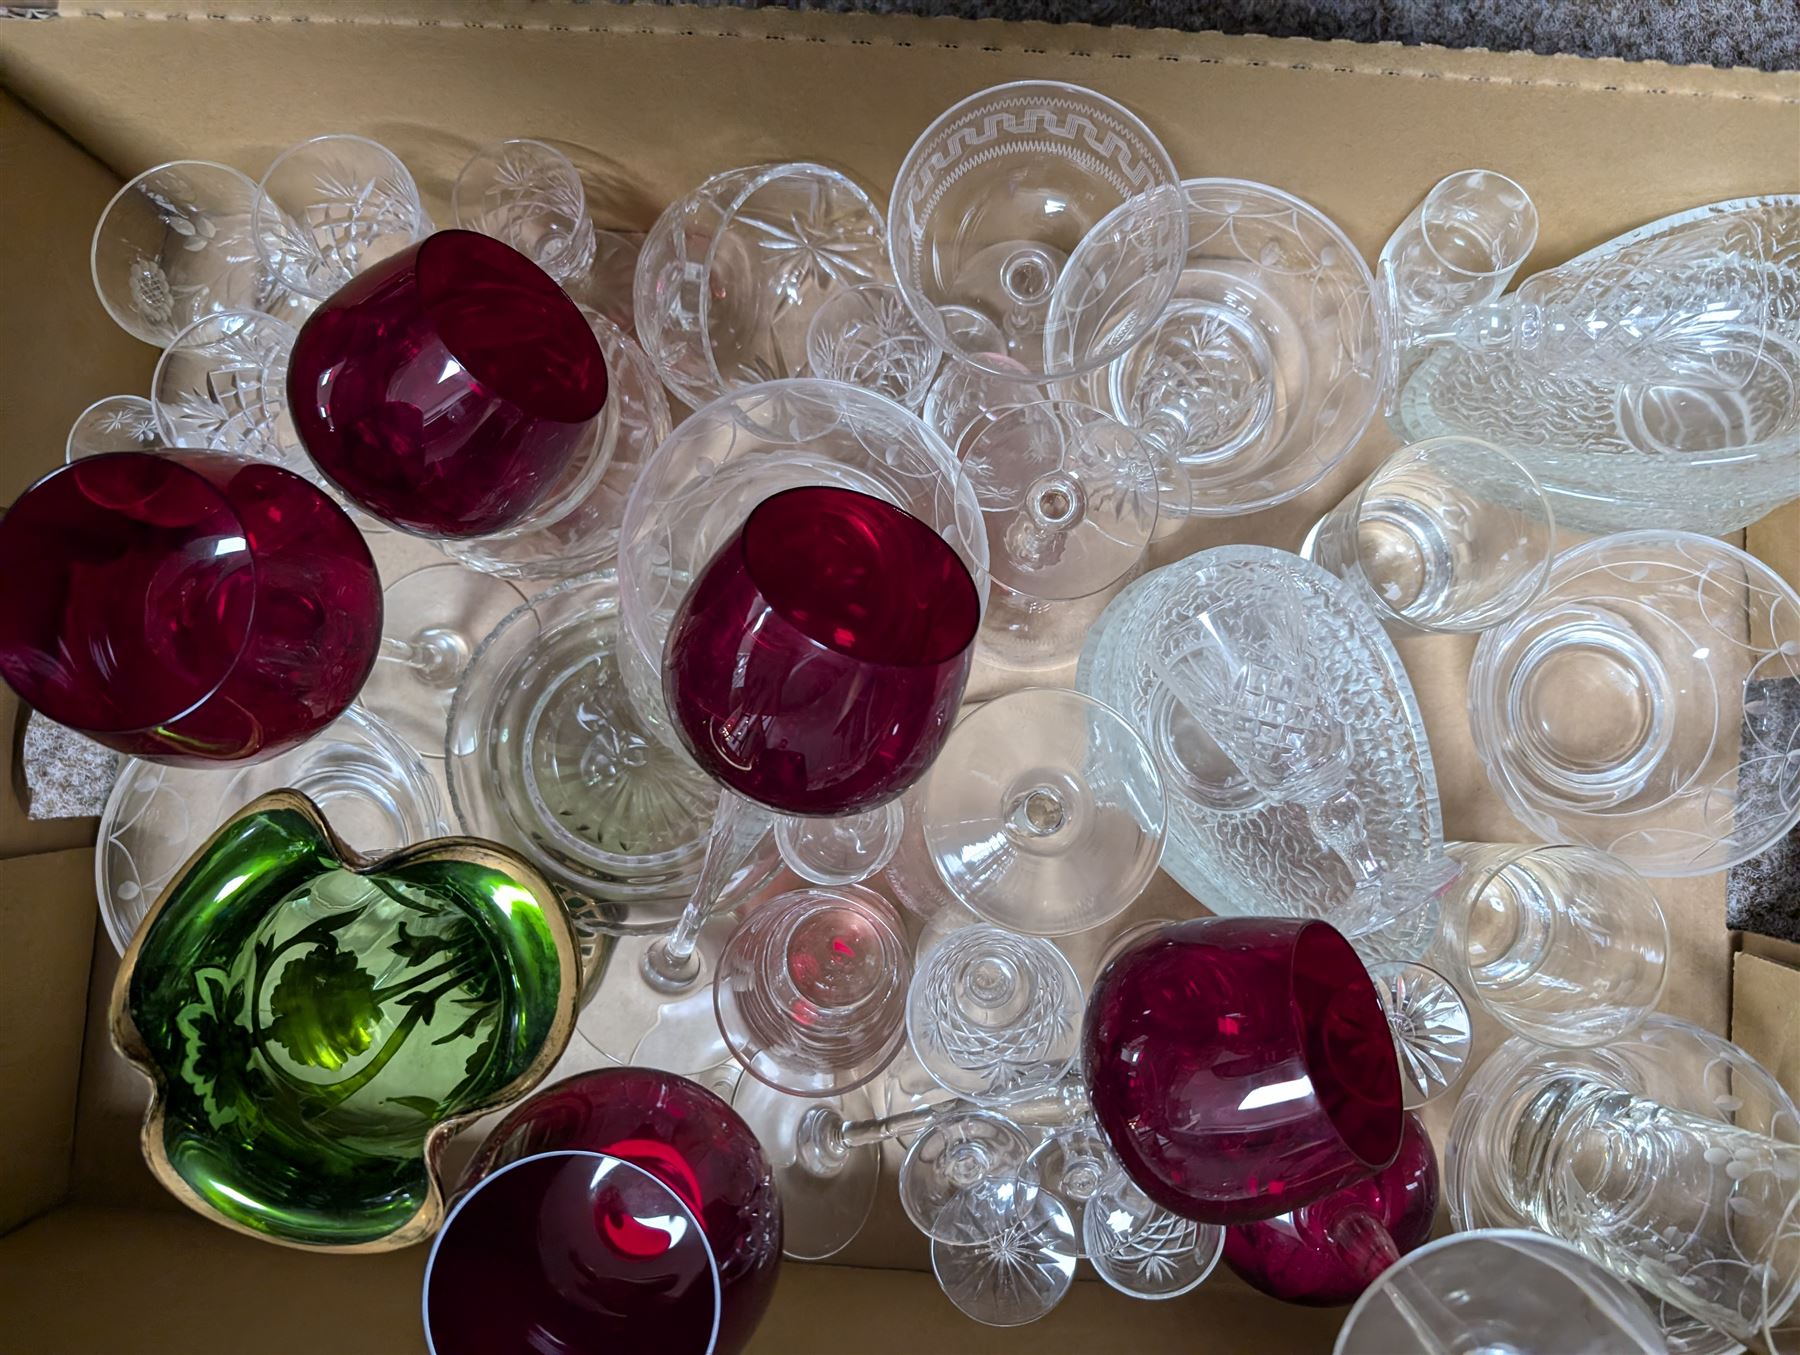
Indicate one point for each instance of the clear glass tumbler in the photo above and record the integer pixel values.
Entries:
(1447, 535)
(1458, 248)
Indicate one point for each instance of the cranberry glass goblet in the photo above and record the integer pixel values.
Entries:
(188, 608)
(1242, 1067)
(1328, 1252)
(688, 1139)
(573, 1251)
(447, 389)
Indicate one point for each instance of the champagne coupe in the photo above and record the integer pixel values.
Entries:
(1328, 1252)
(688, 1139)
(188, 608)
(580, 1250)
(1261, 1073)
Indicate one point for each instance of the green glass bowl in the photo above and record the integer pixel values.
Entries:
(317, 1026)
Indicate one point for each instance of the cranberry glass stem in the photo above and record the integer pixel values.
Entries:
(672, 965)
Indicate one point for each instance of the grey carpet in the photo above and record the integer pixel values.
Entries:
(1764, 33)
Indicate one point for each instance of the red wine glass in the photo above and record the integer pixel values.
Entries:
(814, 667)
(448, 389)
(572, 1251)
(1328, 1252)
(688, 1139)
(190, 608)
(1242, 1067)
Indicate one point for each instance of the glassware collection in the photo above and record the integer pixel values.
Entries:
(696, 690)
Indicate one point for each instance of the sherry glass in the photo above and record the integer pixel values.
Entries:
(687, 1138)
(1451, 534)
(1497, 1289)
(810, 991)
(1141, 1249)
(843, 850)
(994, 1016)
(1069, 499)
(960, 1148)
(584, 1251)
(449, 389)
(1046, 212)
(528, 195)
(175, 245)
(731, 276)
(222, 384)
(1261, 1077)
(330, 208)
(113, 423)
(1262, 372)
(1044, 813)
(1004, 1252)
(1636, 705)
(188, 608)
(357, 770)
(1563, 945)
(1328, 1252)
(865, 336)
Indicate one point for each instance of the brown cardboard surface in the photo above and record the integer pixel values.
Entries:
(649, 101)
(47, 918)
(1765, 1014)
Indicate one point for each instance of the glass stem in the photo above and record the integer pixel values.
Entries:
(822, 1130)
(436, 654)
(672, 964)
(1438, 1330)
(1361, 1239)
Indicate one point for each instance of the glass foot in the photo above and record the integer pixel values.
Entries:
(820, 1213)
(1005, 1252)
(433, 620)
(1431, 1026)
(628, 1021)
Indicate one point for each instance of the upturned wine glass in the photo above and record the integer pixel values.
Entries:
(189, 607)
(1141, 1249)
(1261, 1073)
(332, 207)
(994, 1016)
(113, 423)
(1044, 813)
(810, 991)
(687, 1138)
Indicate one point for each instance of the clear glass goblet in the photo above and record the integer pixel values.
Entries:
(1036, 207)
(1044, 813)
(1004, 1252)
(530, 196)
(1564, 945)
(958, 1150)
(1430, 1023)
(175, 244)
(1069, 500)
(865, 336)
(843, 850)
(367, 780)
(810, 991)
(731, 276)
(332, 207)
(965, 399)
(1503, 1288)
(1072, 1163)
(222, 384)
(1261, 373)
(1450, 534)
(994, 1016)
(1639, 704)
(113, 423)
(1143, 1250)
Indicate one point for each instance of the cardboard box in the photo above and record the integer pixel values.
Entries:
(96, 1258)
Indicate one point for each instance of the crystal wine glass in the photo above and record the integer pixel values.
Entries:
(1636, 705)
(530, 196)
(1564, 945)
(843, 850)
(1069, 499)
(357, 770)
(222, 384)
(865, 336)
(332, 207)
(965, 399)
(113, 423)
(687, 1138)
(583, 1250)
(1004, 1252)
(1431, 1025)
(175, 245)
(994, 1016)
(1036, 207)
(1141, 1249)
(1450, 534)
(960, 1148)
(1507, 1289)
(1328, 1252)
(731, 275)
(1044, 813)
(810, 991)
(1261, 1075)
(189, 608)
